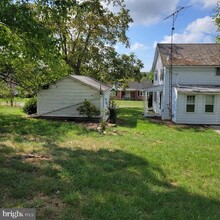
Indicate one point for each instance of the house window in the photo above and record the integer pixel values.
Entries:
(161, 74)
(155, 75)
(141, 93)
(209, 103)
(113, 93)
(161, 95)
(218, 71)
(155, 96)
(190, 103)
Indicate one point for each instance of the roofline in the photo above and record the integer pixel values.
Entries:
(155, 88)
(188, 43)
(156, 54)
(192, 66)
(72, 77)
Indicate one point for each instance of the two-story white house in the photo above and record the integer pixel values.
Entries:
(186, 86)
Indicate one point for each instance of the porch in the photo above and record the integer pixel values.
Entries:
(153, 102)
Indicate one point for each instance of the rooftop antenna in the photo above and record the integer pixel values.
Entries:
(174, 17)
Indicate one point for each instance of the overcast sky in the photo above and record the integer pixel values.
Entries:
(194, 24)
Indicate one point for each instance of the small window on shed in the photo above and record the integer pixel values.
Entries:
(218, 71)
(113, 93)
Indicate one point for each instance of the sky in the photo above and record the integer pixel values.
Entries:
(194, 24)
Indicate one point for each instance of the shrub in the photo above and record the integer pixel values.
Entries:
(112, 112)
(30, 106)
(88, 109)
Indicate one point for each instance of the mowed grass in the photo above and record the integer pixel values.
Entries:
(129, 104)
(139, 170)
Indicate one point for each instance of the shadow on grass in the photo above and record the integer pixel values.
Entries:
(21, 127)
(83, 184)
(178, 127)
(128, 117)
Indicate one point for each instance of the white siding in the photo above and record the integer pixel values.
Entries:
(104, 105)
(63, 98)
(166, 92)
(199, 116)
(174, 105)
(158, 68)
(187, 76)
(195, 75)
(164, 110)
(156, 101)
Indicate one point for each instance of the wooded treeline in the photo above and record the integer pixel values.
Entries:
(41, 41)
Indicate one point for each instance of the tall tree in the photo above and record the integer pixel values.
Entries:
(29, 56)
(39, 37)
(86, 29)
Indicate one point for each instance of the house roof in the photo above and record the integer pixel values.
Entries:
(190, 54)
(139, 85)
(91, 82)
(157, 88)
(135, 86)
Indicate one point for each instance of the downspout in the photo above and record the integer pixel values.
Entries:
(102, 104)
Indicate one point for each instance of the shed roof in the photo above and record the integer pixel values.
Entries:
(190, 54)
(91, 82)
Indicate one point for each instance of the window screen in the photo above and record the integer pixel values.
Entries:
(218, 71)
(161, 74)
(209, 103)
(190, 104)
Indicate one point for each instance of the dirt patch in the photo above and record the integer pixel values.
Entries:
(31, 157)
(90, 125)
(50, 206)
(216, 129)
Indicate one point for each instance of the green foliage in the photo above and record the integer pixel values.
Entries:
(102, 126)
(30, 106)
(150, 75)
(122, 68)
(29, 55)
(88, 109)
(89, 49)
(142, 169)
(43, 40)
(113, 112)
(4, 91)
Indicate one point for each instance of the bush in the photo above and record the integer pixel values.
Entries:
(30, 106)
(88, 109)
(112, 112)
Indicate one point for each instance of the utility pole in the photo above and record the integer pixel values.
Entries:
(174, 17)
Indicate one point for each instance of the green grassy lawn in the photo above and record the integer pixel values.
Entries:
(17, 101)
(129, 104)
(141, 169)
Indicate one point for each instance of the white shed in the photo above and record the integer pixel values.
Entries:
(62, 99)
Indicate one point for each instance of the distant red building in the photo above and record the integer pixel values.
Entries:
(134, 91)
